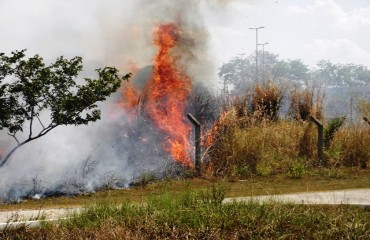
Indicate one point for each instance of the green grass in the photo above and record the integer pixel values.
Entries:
(199, 214)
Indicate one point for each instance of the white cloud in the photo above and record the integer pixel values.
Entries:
(321, 12)
(338, 50)
(334, 31)
(358, 19)
(329, 12)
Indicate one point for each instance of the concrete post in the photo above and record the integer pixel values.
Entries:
(320, 140)
(198, 150)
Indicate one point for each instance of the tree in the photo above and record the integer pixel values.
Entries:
(28, 88)
(298, 71)
(342, 75)
(240, 72)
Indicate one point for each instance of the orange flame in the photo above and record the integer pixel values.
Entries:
(129, 100)
(168, 91)
(212, 134)
(166, 94)
(130, 96)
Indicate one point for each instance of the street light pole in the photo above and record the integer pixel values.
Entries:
(257, 28)
(263, 59)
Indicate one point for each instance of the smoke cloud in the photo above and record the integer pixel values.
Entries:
(115, 33)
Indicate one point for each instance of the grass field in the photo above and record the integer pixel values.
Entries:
(196, 212)
(313, 180)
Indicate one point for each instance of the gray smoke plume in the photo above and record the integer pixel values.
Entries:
(117, 33)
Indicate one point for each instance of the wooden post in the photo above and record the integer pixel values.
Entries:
(366, 120)
(198, 150)
(320, 139)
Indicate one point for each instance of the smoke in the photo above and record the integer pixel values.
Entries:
(116, 33)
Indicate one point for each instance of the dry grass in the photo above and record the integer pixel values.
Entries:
(351, 147)
(263, 148)
(303, 104)
(250, 140)
(266, 101)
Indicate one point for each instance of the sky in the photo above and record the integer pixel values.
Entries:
(337, 30)
(310, 30)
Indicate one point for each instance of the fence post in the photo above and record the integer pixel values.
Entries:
(366, 120)
(198, 150)
(320, 139)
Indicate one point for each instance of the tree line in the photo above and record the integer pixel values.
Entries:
(240, 72)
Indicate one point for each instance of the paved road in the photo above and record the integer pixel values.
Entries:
(31, 217)
(360, 197)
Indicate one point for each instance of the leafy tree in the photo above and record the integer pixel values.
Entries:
(342, 75)
(240, 72)
(28, 88)
(298, 71)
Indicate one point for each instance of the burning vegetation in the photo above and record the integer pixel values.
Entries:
(164, 97)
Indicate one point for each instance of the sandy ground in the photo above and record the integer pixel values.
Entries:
(359, 197)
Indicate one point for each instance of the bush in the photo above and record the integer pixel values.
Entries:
(331, 129)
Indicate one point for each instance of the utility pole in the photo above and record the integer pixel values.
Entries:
(256, 29)
(263, 59)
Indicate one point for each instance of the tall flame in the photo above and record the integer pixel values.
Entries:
(166, 93)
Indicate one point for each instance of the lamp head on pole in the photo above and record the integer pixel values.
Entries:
(256, 28)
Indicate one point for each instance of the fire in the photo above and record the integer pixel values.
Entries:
(212, 134)
(166, 93)
(129, 100)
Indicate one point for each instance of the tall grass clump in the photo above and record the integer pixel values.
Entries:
(303, 104)
(266, 101)
(364, 108)
(352, 146)
(239, 150)
(307, 148)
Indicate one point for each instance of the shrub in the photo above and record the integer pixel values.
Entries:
(331, 129)
(296, 170)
